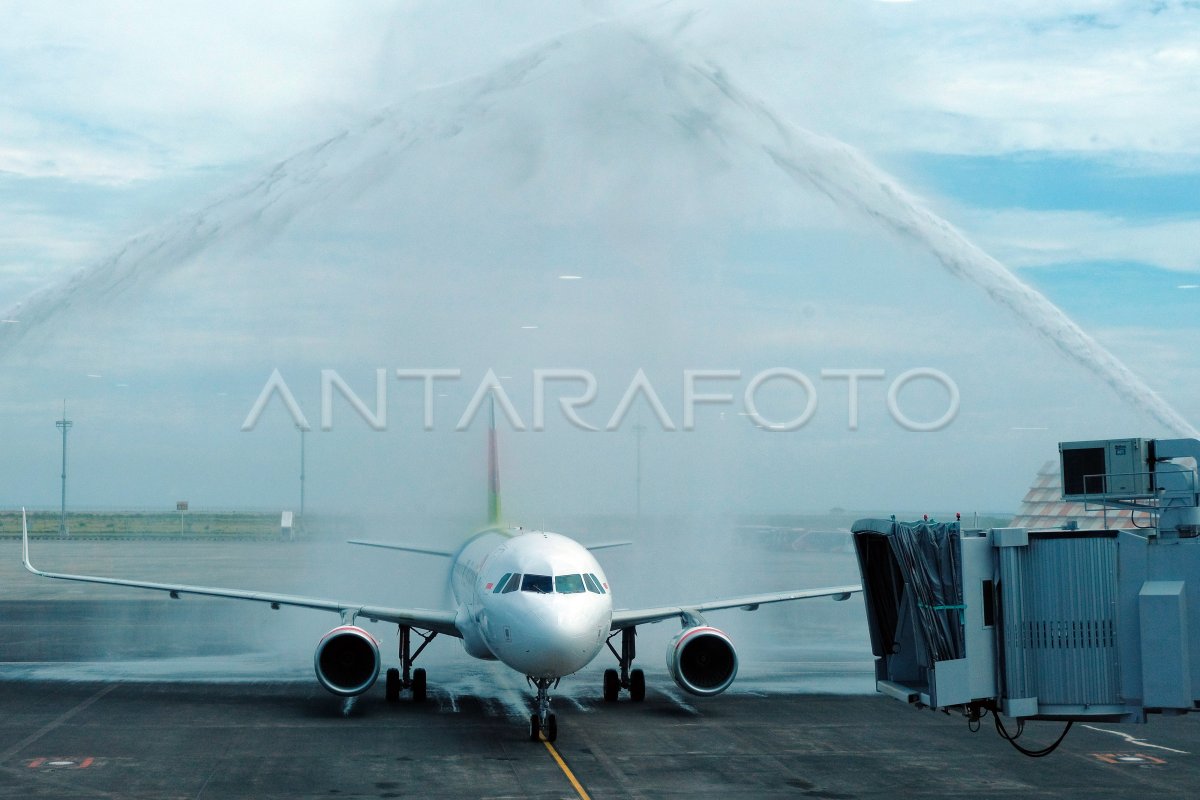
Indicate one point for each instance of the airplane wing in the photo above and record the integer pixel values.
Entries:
(429, 551)
(432, 551)
(428, 619)
(606, 545)
(626, 618)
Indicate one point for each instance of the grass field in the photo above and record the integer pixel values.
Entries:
(143, 523)
(265, 524)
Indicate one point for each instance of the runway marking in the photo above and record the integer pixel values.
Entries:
(61, 762)
(567, 771)
(610, 766)
(1131, 759)
(678, 700)
(66, 715)
(1139, 742)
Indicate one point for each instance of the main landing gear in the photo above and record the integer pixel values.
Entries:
(542, 722)
(632, 679)
(406, 677)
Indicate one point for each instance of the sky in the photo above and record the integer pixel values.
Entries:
(1060, 138)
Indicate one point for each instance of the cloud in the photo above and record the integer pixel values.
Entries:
(1023, 238)
(1071, 76)
(145, 88)
(36, 246)
(129, 91)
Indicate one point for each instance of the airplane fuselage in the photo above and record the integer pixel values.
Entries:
(536, 601)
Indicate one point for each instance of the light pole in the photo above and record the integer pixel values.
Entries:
(64, 425)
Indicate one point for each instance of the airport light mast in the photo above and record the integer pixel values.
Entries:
(63, 425)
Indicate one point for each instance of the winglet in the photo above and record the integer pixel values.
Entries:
(493, 470)
(25, 543)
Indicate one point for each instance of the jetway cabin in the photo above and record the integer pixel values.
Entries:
(1059, 624)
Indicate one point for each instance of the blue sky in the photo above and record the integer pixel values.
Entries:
(1061, 137)
(1101, 291)
(1046, 182)
(117, 111)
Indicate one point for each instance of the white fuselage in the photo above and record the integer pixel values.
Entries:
(549, 621)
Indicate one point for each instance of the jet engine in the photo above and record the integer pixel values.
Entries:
(347, 660)
(702, 660)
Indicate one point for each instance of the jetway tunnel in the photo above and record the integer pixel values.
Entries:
(1061, 624)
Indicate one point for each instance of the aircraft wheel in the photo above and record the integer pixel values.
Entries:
(551, 728)
(535, 728)
(637, 686)
(419, 686)
(393, 685)
(612, 686)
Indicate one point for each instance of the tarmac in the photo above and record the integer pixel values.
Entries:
(123, 695)
(290, 740)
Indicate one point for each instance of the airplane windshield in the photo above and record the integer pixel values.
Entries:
(547, 584)
(542, 584)
(568, 584)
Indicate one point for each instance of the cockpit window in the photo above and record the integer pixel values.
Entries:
(568, 584)
(513, 584)
(500, 583)
(593, 585)
(542, 584)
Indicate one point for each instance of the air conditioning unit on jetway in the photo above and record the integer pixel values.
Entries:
(1059, 624)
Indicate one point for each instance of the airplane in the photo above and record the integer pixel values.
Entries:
(538, 602)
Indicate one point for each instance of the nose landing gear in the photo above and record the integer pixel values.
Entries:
(542, 723)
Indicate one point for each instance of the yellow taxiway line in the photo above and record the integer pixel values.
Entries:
(567, 771)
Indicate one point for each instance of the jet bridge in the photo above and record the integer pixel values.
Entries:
(1061, 624)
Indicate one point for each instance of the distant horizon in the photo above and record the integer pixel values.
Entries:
(735, 517)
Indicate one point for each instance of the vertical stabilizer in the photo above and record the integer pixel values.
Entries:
(493, 470)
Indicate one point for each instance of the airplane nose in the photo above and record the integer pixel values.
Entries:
(554, 645)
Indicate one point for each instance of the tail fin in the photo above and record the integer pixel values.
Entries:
(493, 471)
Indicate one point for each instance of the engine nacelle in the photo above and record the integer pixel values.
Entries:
(702, 661)
(347, 660)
